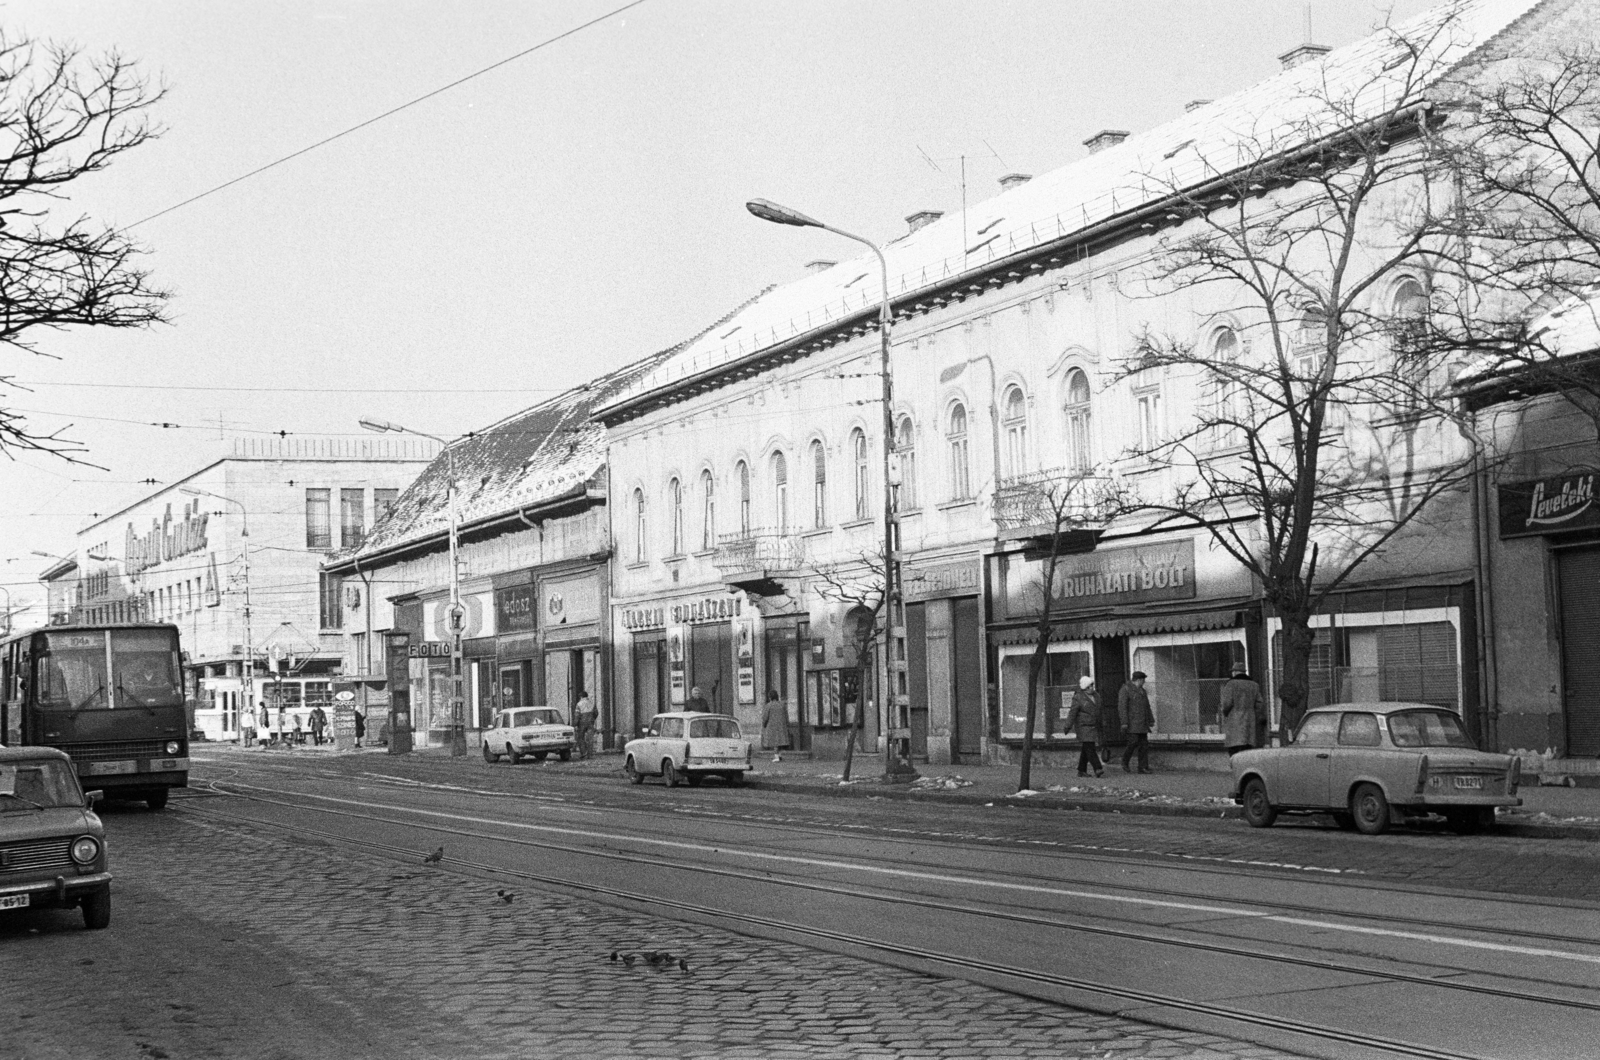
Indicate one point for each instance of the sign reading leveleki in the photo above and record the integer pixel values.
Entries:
(1549, 505)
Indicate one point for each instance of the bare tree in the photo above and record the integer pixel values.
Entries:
(1060, 511)
(1318, 431)
(64, 115)
(858, 586)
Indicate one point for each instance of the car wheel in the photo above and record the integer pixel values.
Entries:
(1370, 809)
(511, 755)
(1345, 821)
(634, 776)
(156, 800)
(1470, 822)
(566, 754)
(669, 774)
(97, 910)
(540, 756)
(1258, 812)
(488, 755)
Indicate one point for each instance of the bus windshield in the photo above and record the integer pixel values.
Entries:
(144, 663)
(72, 671)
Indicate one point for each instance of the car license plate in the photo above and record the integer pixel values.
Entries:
(98, 768)
(167, 764)
(13, 901)
(1474, 783)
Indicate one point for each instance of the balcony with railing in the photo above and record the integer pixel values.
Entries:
(756, 560)
(1071, 506)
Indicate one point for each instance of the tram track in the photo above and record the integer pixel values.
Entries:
(1006, 973)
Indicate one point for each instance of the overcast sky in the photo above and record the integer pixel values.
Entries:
(566, 213)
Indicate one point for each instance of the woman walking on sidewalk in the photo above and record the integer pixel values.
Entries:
(1084, 719)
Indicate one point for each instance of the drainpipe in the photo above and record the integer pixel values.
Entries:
(1489, 683)
(983, 573)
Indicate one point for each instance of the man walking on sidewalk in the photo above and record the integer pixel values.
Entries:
(1084, 720)
(1243, 717)
(1133, 705)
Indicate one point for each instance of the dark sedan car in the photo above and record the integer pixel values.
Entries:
(1368, 763)
(52, 845)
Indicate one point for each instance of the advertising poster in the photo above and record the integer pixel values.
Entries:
(677, 688)
(744, 658)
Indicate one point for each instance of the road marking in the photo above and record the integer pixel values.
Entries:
(968, 881)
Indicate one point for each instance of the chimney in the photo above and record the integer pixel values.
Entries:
(1014, 180)
(923, 218)
(1303, 53)
(1105, 138)
(1196, 104)
(820, 265)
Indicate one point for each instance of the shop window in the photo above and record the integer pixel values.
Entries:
(1015, 427)
(960, 468)
(905, 447)
(1064, 665)
(858, 451)
(319, 532)
(1186, 674)
(708, 512)
(819, 485)
(1079, 455)
(1372, 663)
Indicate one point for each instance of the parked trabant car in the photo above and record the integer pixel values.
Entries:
(52, 844)
(528, 731)
(1369, 763)
(689, 744)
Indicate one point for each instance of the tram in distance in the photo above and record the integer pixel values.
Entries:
(110, 696)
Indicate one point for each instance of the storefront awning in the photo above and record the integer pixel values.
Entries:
(1125, 625)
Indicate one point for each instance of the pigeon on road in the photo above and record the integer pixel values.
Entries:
(434, 858)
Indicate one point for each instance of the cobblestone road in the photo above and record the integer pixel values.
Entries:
(231, 943)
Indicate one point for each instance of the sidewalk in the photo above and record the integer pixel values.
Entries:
(1554, 812)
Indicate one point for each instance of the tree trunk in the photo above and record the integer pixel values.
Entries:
(1035, 668)
(1294, 684)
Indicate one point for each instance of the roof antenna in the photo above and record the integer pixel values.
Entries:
(1309, 38)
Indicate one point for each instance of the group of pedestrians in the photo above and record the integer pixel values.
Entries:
(258, 727)
(1244, 719)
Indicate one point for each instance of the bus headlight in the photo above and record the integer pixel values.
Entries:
(173, 747)
(85, 849)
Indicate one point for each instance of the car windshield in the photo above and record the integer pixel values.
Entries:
(1427, 728)
(725, 728)
(542, 717)
(37, 785)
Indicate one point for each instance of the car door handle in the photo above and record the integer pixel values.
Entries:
(1324, 754)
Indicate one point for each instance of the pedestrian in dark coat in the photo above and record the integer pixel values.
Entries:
(361, 727)
(1133, 706)
(774, 725)
(1244, 720)
(1084, 719)
(697, 701)
(319, 724)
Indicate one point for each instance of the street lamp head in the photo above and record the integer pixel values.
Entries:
(190, 491)
(380, 426)
(771, 211)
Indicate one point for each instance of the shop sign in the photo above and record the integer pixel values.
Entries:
(514, 609)
(643, 617)
(720, 608)
(474, 610)
(428, 649)
(1106, 577)
(570, 601)
(943, 579)
(166, 539)
(1549, 505)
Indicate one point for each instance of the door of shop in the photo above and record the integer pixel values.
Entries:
(711, 664)
(917, 664)
(785, 673)
(1578, 575)
(967, 643)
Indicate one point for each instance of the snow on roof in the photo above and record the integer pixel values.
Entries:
(1277, 114)
(1571, 329)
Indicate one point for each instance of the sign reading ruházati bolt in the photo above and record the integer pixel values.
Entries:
(1134, 574)
(1549, 505)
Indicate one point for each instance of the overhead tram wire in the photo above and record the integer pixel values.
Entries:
(391, 112)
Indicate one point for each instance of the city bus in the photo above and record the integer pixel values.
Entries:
(110, 696)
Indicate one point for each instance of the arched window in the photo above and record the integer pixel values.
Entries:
(675, 498)
(956, 438)
(858, 456)
(1229, 410)
(638, 526)
(905, 447)
(1079, 456)
(819, 485)
(1015, 425)
(708, 511)
(780, 492)
(741, 471)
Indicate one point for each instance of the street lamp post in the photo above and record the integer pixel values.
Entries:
(897, 748)
(458, 734)
(248, 670)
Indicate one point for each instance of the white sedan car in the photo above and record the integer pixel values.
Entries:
(691, 745)
(526, 731)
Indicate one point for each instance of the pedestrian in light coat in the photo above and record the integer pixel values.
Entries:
(1244, 720)
(1084, 720)
(1133, 706)
(774, 725)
